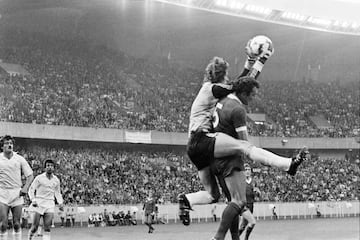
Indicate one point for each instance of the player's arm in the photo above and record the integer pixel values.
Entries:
(28, 181)
(238, 116)
(254, 65)
(31, 192)
(221, 90)
(29, 177)
(58, 195)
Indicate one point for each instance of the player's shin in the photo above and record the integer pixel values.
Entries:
(234, 229)
(230, 212)
(269, 159)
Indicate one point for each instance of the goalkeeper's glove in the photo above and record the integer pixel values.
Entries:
(266, 51)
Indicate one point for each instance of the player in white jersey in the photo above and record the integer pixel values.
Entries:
(42, 192)
(204, 146)
(12, 165)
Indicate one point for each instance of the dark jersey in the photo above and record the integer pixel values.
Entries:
(149, 206)
(250, 194)
(229, 116)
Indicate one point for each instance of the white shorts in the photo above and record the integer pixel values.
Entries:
(11, 197)
(43, 206)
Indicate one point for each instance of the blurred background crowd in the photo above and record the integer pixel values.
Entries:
(70, 80)
(103, 176)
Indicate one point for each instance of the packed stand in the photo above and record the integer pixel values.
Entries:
(71, 79)
(105, 176)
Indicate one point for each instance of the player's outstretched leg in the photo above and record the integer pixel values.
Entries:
(297, 160)
(184, 208)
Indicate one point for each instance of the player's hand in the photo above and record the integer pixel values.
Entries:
(248, 51)
(266, 51)
(61, 207)
(34, 203)
(22, 193)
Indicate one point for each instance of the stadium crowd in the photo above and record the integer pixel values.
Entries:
(70, 80)
(103, 176)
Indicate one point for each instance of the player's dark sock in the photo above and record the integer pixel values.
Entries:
(248, 231)
(230, 212)
(241, 230)
(234, 228)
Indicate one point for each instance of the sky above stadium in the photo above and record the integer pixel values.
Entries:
(345, 10)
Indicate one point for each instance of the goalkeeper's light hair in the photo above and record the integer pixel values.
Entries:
(216, 70)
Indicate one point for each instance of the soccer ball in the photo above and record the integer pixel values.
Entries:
(258, 44)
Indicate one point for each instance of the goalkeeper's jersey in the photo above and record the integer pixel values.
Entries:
(204, 104)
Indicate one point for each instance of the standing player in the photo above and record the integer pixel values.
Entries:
(149, 208)
(42, 193)
(250, 199)
(203, 145)
(11, 189)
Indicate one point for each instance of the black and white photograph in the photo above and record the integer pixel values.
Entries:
(179, 119)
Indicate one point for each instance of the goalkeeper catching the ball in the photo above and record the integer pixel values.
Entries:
(205, 145)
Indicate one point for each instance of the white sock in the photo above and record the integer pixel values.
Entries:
(270, 159)
(199, 198)
(39, 231)
(46, 236)
(17, 235)
(4, 236)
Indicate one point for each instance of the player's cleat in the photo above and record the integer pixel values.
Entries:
(184, 208)
(151, 229)
(297, 160)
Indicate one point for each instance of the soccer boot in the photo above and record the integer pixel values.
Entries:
(297, 160)
(184, 208)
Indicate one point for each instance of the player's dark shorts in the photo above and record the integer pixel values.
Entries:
(224, 167)
(200, 149)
